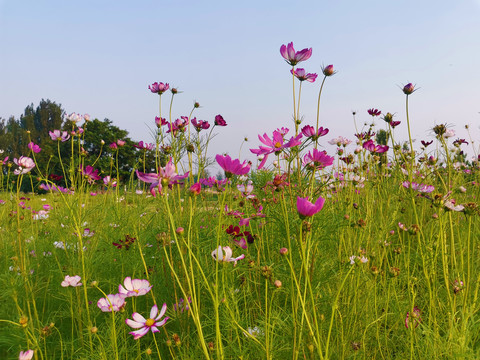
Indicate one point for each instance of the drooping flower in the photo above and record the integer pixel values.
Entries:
(144, 325)
(59, 136)
(306, 209)
(144, 146)
(25, 165)
(232, 167)
(112, 302)
(301, 75)
(413, 318)
(219, 121)
(317, 159)
(135, 287)
(224, 254)
(158, 87)
(294, 57)
(275, 145)
(34, 147)
(25, 355)
(73, 281)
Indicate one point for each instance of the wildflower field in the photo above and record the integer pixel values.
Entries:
(370, 252)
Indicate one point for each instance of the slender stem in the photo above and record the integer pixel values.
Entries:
(318, 109)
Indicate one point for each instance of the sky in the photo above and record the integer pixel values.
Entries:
(98, 57)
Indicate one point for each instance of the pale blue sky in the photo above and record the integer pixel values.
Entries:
(99, 57)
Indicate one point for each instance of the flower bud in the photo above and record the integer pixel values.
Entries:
(328, 70)
(283, 251)
(408, 89)
(278, 284)
(94, 330)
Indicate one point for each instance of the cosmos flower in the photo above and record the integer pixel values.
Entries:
(200, 124)
(414, 318)
(418, 187)
(144, 325)
(135, 287)
(158, 88)
(309, 132)
(25, 355)
(224, 254)
(112, 302)
(144, 146)
(25, 165)
(301, 75)
(328, 70)
(232, 167)
(374, 112)
(378, 149)
(306, 209)
(166, 176)
(73, 281)
(294, 57)
(275, 145)
(219, 121)
(90, 174)
(34, 147)
(59, 136)
(317, 159)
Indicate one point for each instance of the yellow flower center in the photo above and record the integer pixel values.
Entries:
(135, 290)
(149, 322)
(278, 145)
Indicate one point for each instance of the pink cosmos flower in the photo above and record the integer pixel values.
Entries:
(165, 177)
(158, 88)
(232, 167)
(378, 149)
(112, 302)
(196, 188)
(246, 190)
(144, 325)
(113, 146)
(178, 125)
(224, 254)
(34, 147)
(275, 145)
(160, 122)
(309, 132)
(120, 142)
(419, 187)
(292, 57)
(25, 165)
(340, 141)
(25, 355)
(144, 146)
(306, 209)
(301, 75)
(374, 112)
(317, 159)
(415, 317)
(108, 181)
(200, 124)
(219, 121)
(90, 174)
(135, 287)
(73, 281)
(60, 136)
(74, 117)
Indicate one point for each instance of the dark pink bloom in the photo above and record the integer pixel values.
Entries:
(294, 57)
(196, 188)
(200, 124)
(160, 122)
(113, 146)
(232, 167)
(90, 174)
(178, 125)
(275, 145)
(144, 146)
(219, 121)
(328, 70)
(306, 209)
(426, 143)
(394, 123)
(374, 112)
(317, 159)
(414, 318)
(301, 75)
(34, 147)
(309, 132)
(408, 89)
(158, 88)
(378, 149)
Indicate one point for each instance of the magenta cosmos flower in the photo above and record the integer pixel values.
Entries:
(144, 146)
(25, 165)
(25, 355)
(414, 318)
(301, 75)
(219, 121)
(112, 302)
(275, 145)
(374, 112)
(135, 287)
(59, 135)
(90, 174)
(73, 281)
(158, 88)
(200, 124)
(34, 147)
(165, 177)
(419, 187)
(306, 209)
(378, 149)
(232, 167)
(317, 159)
(311, 133)
(144, 325)
(294, 57)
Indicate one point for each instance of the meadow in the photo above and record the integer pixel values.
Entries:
(368, 253)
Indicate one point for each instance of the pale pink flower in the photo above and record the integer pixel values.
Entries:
(73, 281)
(224, 254)
(25, 355)
(135, 287)
(25, 165)
(144, 325)
(112, 302)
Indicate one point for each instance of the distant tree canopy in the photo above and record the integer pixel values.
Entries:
(36, 123)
